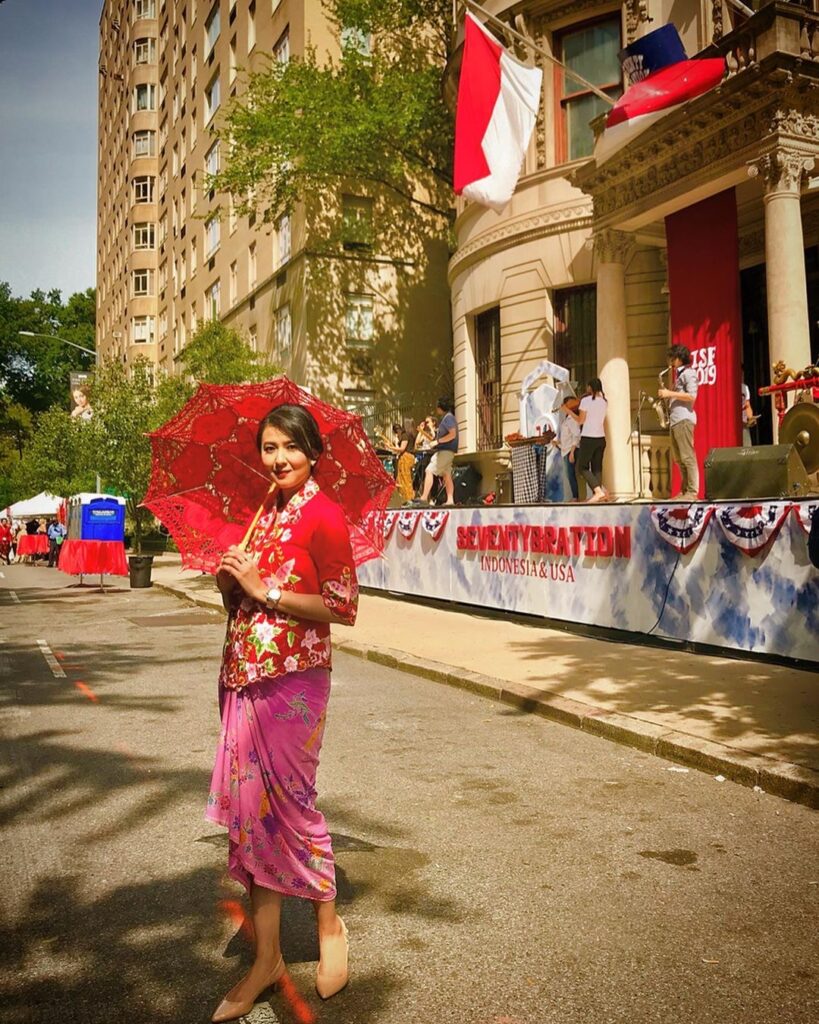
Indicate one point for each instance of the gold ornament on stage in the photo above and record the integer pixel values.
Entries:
(800, 427)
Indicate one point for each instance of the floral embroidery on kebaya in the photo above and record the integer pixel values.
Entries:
(302, 548)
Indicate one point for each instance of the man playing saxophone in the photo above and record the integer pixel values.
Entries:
(682, 420)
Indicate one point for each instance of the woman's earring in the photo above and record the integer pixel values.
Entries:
(313, 462)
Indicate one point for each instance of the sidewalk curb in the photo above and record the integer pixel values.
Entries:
(779, 778)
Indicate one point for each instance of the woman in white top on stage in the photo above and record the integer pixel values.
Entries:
(591, 415)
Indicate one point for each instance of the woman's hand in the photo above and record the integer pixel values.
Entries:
(571, 455)
(241, 567)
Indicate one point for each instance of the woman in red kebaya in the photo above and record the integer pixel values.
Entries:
(296, 577)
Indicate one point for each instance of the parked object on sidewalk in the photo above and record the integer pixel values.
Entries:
(139, 570)
(208, 481)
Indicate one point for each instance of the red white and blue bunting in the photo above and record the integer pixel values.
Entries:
(390, 519)
(408, 523)
(804, 514)
(752, 527)
(434, 521)
(681, 526)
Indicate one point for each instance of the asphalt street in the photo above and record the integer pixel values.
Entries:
(493, 867)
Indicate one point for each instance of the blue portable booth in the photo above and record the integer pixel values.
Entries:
(96, 517)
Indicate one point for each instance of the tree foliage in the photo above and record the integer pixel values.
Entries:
(34, 371)
(220, 355)
(377, 117)
(58, 457)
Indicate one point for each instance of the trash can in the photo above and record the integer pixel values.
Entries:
(139, 567)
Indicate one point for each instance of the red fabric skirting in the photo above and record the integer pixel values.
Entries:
(90, 557)
(32, 544)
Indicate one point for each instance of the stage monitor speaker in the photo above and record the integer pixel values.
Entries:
(466, 480)
(768, 471)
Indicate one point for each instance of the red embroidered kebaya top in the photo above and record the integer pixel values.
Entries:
(302, 548)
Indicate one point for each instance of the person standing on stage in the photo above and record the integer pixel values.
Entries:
(444, 448)
(568, 441)
(748, 417)
(591, 416)
(682, 419)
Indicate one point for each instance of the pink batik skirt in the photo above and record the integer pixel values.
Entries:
(263, 788)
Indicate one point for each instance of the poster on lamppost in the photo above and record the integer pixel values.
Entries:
(80, 387)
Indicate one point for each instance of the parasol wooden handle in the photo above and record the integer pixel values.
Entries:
(257, 517)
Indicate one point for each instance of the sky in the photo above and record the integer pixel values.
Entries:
(48, 133)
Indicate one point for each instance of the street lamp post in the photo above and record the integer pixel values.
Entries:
(73, 344)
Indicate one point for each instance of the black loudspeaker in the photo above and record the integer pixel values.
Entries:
(466, 480)
(769, 471)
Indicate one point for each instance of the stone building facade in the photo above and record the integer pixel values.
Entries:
(574, 270)
(347, 318)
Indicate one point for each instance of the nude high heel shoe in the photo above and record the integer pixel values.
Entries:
(332, 974)
(230, 1009)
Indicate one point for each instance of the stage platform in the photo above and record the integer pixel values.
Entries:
(733, 575)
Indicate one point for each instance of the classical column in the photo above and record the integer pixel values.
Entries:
(612, 248)
(788, 329)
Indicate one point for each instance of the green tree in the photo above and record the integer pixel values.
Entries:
(220, 355)
(375, 115)
(34, 371)
(57, 457)
(125, 404)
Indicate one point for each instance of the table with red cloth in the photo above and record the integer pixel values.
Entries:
(32, 544)
(89, 557)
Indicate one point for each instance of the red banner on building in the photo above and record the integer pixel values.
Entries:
(703, 280)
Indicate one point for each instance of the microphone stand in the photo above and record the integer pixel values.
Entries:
(637, 423)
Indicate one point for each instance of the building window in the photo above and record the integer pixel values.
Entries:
(163, 133)
(144, 51)
(175, 161)
(251, 265)
(355, 39)
(575, 332)
(234, 283)
(283, 239)
(183, 270)
(212, 27)
(213, 300)
(142, 282)
(253, 339)
(281, 50)
(357, 222)
(194, 321)
(590, 50)
(359, 321)
(251, 27)
(284, 333)
(163, 275)
(212, 233)
(144, 144)
(232, 67)
(488, 364)
(144, 236)
(145, 97)
(212, 97)
(143, 190)
(232, 218)
(144, 9)
(212, 160)
(194, 64)
(142, 330)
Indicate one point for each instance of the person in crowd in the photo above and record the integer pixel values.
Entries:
(749, 418)
(682, 420)
(568, 441)
(6, 540)
(32, 526)
(21, 531)
(427, 433)
(295, 577)
(444, 448)
(590, 415)
(56, 534)
(402, 447)
(82, 404)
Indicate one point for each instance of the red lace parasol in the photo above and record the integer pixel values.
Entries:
(207, 477)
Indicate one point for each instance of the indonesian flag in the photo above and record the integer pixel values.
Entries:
(663, 79)
(497, 105)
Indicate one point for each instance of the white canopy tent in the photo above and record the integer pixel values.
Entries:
(41, 506)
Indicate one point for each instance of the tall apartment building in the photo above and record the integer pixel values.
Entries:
(329, 291)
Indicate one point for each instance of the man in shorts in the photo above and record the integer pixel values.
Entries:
(444, 448)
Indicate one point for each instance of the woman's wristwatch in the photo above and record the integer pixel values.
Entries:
(272, 597)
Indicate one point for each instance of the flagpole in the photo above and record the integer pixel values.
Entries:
(508, 30)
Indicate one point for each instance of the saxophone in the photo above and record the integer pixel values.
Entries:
(659, 404)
